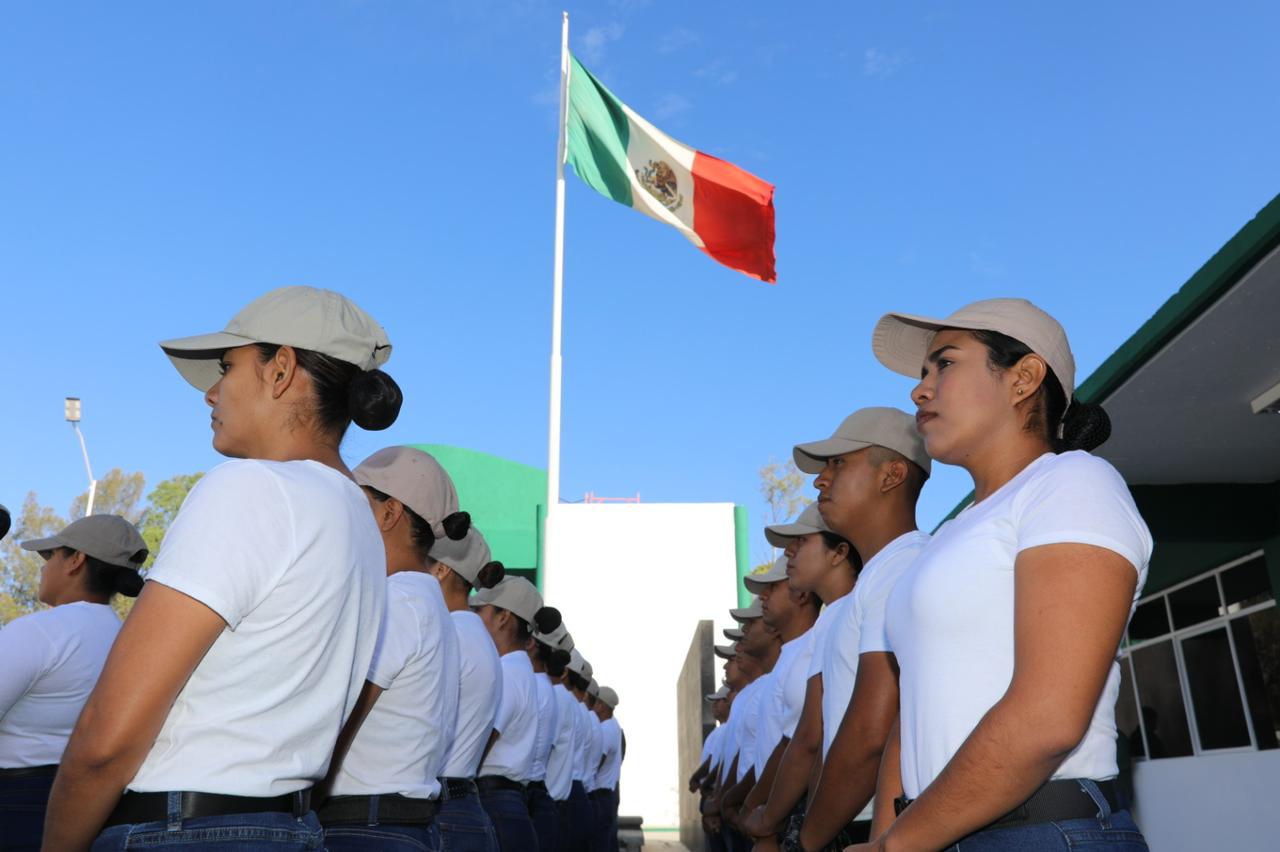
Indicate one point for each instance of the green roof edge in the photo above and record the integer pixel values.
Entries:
(1210, 282)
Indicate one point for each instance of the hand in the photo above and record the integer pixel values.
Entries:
(711, 824)
(873, 846)
(756, 825)
(693, 786)
(766, 844)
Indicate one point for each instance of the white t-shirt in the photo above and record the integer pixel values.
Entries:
(400, 748)
(548, 719)
(49, 663)
(582, 743)
(749, 728)
(780, 707)
(563, 745)
(288, 555)
(479, 694)
(516, 722)
(611, 768)
(595, 753)
(859, 627)
(951, 617)
(709, 747)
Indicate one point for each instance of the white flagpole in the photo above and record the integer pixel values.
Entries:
(553, 437)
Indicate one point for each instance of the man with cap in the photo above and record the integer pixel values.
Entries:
(508, 611)
(870, 473)
(557, 646)
(52, 659)
(791, 613)
(581, 813)
(592, 782)
(824, 563)
(608, 779)
(546, 660)
(704, 776)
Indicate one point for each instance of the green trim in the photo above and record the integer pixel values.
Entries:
(540, 529)
(742, 550)
(598, 134)
(1223, 271)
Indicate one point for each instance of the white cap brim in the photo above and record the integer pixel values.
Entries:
(196, 358)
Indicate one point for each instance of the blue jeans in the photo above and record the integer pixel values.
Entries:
(22, 806)
(464, 826)
(270, 832)
(582, 819)
(1106, 832)
(605, 830)
(542, 810)
(510, 817)
(390, 838)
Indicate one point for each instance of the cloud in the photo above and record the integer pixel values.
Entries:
(984, 266)
(594, 41)
(677, 39)
(879, 63)
(671, 105)
(717, 72)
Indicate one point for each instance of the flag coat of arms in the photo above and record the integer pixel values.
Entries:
(722, 209)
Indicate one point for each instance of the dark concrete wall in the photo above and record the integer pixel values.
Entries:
(697, 679)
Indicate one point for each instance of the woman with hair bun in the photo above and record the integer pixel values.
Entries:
(220, 703)
(52, 659)
(1007, 626)
(461, 566)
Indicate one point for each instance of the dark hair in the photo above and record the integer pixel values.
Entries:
(524, 631)
(547, 619)
(345, 393)
(424, 538)
(490, 575)
(832, 541)
(103, 578)
(577, 681)
(1085, 425)
(554, 659)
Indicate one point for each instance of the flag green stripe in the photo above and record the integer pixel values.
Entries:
(598, 135)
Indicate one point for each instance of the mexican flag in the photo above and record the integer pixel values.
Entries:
(723, 210)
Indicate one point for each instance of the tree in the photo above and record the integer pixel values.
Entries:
(118, 493)
(780, 484)
(20, 580)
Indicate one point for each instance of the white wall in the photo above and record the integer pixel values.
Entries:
(1211, 802)
(632, 581)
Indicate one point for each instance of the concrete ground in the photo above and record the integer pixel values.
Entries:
(662, 843)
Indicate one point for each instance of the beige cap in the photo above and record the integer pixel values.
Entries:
(558, 638)
(514, 594)
(733, 634)
(776, 574)
(750, 611)
(880, 427)
(467, 556)
(719, 695)
(414, 478)
(578, 664)
(901, 341)
(593, 688)
(608, 696)
(109, 538)
(809, 521)
(304, 317)
(725, 652)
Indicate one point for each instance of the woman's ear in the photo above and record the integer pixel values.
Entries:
(1028, 374)
(75, 564)
(282, 370)
(388, 513)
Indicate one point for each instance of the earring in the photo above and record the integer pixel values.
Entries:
(1020, 390)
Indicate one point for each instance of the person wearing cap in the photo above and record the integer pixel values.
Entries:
(1044, 568)
(545, 659)
(383, 782)
(791, 613)
(460, 566)
(596, 752)
(556, 649)
(52, 659)
(703, 778)
(615, 749)
(745, 676)
(719, 712)
(509, 610)
(222, 698)
(824, 564)
(581, 812)
(870, 473)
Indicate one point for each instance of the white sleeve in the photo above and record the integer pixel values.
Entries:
(26, 650)
(1082, 499)
(506, 703)
(797, 682)
(871, 600)
(398, 641)
(231, 541)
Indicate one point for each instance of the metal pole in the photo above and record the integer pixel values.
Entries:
(93, 483)
(553, 437)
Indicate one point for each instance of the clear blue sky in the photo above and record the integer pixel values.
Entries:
(163, 163)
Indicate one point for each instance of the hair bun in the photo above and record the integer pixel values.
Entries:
(457, 525)
(547, 619)
(1085, 426)
(128, 582)
(491, 575)
(374, 400)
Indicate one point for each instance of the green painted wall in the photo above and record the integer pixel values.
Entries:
(505, 499)
(742, 548)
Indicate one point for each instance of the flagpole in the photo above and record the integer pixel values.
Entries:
(553, 437)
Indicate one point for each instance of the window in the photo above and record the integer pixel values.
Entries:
(1201, 666)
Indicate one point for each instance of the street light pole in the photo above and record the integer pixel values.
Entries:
(71, 410)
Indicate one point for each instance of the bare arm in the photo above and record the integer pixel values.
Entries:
(695, 780)
(759, 794)
(369, 695)
(792, 777)
(889, 785)
(165, 637)
(1071, 602)
(849, 774)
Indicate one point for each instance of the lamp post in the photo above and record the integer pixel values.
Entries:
(71, 410)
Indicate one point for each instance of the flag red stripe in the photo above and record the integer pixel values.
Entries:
(733, 215)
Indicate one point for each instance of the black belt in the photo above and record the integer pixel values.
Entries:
(387, 809)
(537, 787)
(456, 788)
(601, 793)
(490, 783)
(154, 807)
(1055, 801)
(47, 771)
